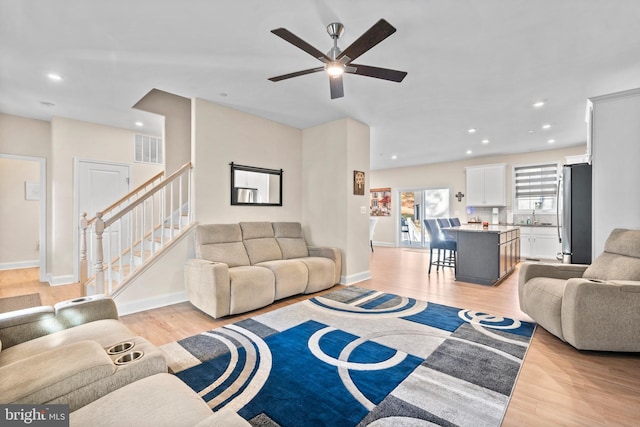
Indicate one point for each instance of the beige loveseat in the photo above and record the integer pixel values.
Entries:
(245, 266)
(592, 307)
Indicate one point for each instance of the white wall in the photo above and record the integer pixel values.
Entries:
(162, 284)
(73, 139)
(19, 218)
(177, 125)
(222, 135)
(615, 157)
(331, 212)
(25, 137)
(449, 175)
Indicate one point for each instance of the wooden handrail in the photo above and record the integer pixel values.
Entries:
(147, 195)
(129, 195)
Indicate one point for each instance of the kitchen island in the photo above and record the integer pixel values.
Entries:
(485, 255)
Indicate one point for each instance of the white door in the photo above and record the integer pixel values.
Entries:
(99, 185)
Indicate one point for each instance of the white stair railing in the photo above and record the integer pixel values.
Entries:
(120, 240)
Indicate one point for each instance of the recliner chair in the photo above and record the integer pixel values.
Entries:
(592, 307)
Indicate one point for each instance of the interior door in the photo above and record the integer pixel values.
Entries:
(99, 185)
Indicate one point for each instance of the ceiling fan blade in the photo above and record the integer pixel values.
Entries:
(299, 43)
(296, 74)
(337, 89)
(378, 73)
(374, 35)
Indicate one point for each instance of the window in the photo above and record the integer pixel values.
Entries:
(535, 187)
(148, 149)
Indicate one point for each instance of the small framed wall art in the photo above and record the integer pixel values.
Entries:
(358, 183)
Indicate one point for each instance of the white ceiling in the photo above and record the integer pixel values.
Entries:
(470, 63)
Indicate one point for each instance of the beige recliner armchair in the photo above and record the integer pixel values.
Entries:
(592, 307)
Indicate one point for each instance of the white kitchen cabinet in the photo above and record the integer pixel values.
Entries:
(486, 185)
(539, 242)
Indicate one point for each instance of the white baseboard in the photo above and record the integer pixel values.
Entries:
(385, 244)
(130, 307)
(61, 280)
(355, 278)
(19, 264)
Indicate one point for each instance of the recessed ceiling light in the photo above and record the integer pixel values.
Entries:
(223, 94)
(472, 130)
(485, 141)
(469, 152)
(551, 141)
(394, 157)
(530, 131)
(139, 124)
(546, 126)
(538, 104)
(55, 77)
(47, 104)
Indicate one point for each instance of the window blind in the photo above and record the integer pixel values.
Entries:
(538, 181)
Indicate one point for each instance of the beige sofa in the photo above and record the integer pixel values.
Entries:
(245, 266)
(68, 353)
(592, 307)
(78, 353)
(161, 400)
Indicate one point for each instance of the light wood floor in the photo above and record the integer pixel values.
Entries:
(558, 385)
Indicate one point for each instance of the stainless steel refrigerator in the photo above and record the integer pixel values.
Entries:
(574, 230)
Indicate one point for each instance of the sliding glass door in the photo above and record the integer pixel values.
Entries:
(416, 205)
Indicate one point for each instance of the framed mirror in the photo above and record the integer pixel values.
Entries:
(253, 186)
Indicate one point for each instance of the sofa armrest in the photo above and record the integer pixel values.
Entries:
(46, 376)
(333, 254)
(529, 270)
(208, 286)
(26, 315)
(601, 315)
(24, 325)
(86, 309)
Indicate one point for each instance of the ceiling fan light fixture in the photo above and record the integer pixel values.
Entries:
(335, 69)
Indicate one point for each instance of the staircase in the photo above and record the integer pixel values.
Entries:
(124, 239)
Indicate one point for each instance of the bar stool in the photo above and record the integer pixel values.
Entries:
(455, 222)
(439, 242)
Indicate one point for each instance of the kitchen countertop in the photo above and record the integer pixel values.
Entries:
(534, 225)
(478, 228)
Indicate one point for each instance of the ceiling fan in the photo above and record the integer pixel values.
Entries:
(337, 62)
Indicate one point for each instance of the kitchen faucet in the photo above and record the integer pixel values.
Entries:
(534, 216)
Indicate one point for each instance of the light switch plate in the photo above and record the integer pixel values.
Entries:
(363, 210)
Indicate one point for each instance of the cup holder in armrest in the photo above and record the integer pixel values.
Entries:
(120, 348)
(129, 357)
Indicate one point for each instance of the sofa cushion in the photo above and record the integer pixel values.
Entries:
(256, 230)
(260, 242)
(221, 243)
(158, 400)
(290, 239)
(623, 242)
(251, 288)
(544, 302)
(321, 273)
(610, 266)
(51, 374)
(291, 276)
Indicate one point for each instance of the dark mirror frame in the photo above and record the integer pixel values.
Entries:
(234, 193)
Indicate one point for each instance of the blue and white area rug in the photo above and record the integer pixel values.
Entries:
(357, 357)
